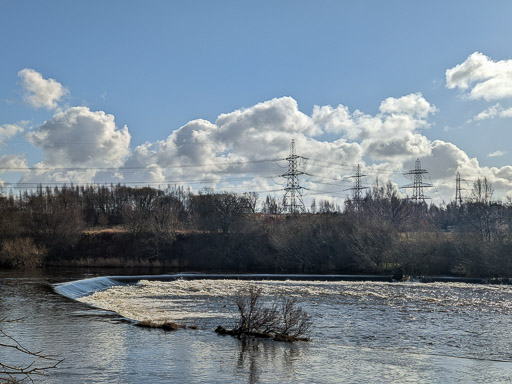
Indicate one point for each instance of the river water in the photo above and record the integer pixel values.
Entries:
(362, 331)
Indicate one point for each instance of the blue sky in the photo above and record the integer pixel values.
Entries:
(157, 67)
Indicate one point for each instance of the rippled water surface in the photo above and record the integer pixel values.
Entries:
(363, 332)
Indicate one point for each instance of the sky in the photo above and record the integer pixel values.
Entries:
(211, 93)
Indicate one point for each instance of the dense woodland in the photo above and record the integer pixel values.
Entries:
(120, 226)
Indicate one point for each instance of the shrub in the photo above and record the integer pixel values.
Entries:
(282, 320)
(20, 253)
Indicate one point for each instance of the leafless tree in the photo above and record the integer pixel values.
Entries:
(255, 317)
(221, 211)
(164, 220)
(281, 319)
(374, 241)
(272, 206)
(482, 191)
(294, 321)
(37, 362)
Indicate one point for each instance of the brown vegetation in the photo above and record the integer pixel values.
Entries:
(119, 226)
(21, 253)
(281, 320)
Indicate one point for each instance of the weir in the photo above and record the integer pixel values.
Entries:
(80, 288)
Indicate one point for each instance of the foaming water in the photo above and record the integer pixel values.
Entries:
(452, 319)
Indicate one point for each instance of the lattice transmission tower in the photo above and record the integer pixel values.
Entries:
(417, 186)
(292, 200)
(458, 190)
(357, 188)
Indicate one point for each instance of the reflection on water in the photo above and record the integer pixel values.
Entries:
(363, 332)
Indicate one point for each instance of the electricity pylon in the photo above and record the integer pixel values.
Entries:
(292, 200)
(357, 188)
(458, 189)
(417, 194)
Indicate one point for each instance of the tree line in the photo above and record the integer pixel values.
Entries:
(118, 225)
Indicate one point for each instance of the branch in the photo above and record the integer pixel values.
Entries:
(12, 371)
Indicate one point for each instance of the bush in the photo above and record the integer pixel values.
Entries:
(282, 320)
(21, 253)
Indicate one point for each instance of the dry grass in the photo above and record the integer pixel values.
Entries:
(21, 252)
(100, 230)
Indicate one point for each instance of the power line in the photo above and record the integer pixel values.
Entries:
(136, 168)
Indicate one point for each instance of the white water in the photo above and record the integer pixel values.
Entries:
(174, 300)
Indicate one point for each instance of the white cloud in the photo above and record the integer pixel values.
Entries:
(236, 142)
(496, 154)
(8, 131)
(333, 120)
(230, 153)
(12, 163)
(494, 111)
(481, 77)
(391, 135)
(41, 92)
(489, 113)
(413, 105)
(79, 138)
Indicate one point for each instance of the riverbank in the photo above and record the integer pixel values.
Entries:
(259, 251)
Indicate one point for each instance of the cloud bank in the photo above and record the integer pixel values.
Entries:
(240, 151)
(244, 150)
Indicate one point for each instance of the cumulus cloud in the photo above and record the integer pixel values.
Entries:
(12, 163)
(244, 150)
(391, 135)
(237, 144)
(79, 138)
(413, 105)
(482, 78)
(41, 92)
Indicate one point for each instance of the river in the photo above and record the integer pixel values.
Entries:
(362, 331)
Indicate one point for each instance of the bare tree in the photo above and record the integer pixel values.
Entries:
(164, 220)
(221, 211)
(272, 206)
(255, 317)
(37, 363)
(374, 241)
(294, 321)
(282, 320)
(482, 191)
